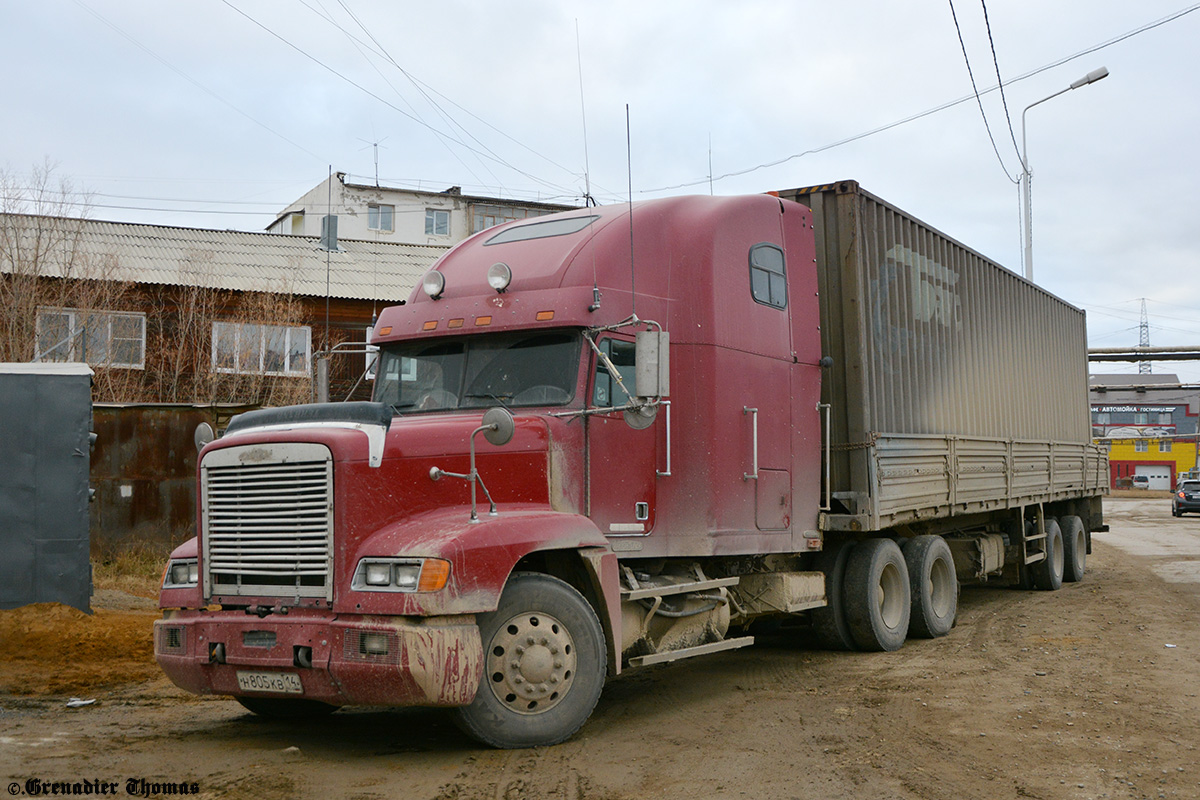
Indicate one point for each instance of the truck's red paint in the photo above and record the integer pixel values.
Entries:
(567, 483)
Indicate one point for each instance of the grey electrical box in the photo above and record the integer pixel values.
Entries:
(329, 232)
(45, 428)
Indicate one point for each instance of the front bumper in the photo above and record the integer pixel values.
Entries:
(357, 660)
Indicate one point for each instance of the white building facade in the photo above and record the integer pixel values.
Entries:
(401, 216)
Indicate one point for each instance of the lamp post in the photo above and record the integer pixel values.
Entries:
(1026, 174)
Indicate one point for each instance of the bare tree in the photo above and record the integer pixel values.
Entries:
(191, 342)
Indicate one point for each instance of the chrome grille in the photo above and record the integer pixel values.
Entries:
(268, 521)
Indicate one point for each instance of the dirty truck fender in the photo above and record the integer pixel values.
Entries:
(482, 555)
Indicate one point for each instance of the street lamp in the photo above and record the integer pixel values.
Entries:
(1026, 174)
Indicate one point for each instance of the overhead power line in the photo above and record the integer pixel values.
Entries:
(978, 99)
(435, 131)
(190, 79)
(935, 109)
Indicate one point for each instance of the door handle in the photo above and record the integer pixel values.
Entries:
(752, 476)
(667, 474)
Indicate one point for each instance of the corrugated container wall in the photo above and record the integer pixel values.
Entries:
(929, 337)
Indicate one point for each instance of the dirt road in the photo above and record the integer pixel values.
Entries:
(1071, 694)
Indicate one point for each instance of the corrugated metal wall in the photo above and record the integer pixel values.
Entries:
(929, 337)
(144, 473)
(942, 339)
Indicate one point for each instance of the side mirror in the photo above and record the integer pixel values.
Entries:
(204, 434)
(498, 426)
(652, 369)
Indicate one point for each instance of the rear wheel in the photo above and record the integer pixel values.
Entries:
(933, 585)
(286, 707)
(544, 665)
(877, 595)
(829, 623)
(1048, 573)
(1074, 537)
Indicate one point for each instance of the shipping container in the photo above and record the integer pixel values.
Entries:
(956, 385)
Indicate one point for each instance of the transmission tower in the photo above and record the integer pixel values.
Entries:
(1144, 338)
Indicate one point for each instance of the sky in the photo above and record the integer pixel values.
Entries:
(219, 113)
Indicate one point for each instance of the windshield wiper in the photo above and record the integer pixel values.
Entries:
(492, 396)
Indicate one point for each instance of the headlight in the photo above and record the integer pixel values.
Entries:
(401, 574)
(181, 574)
(499, 276)
(433, 283)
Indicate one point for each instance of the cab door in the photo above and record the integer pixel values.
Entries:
(621, 460)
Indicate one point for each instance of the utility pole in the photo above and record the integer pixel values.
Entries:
(1144, 339)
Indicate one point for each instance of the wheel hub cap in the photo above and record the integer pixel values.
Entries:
(531, 663)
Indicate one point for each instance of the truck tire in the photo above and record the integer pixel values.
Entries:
(877, 596)
(1074, 537)
(933, 584)
(286, 707)
(829, 623)
(1048, 573)
(545, 661)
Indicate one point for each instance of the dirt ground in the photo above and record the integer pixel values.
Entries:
(1089, 692)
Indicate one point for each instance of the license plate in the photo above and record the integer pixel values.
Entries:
(281, 682)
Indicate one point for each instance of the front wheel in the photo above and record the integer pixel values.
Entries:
(544, 665)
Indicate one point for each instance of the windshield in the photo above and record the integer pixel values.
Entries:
(1190, 486)
(510, 369)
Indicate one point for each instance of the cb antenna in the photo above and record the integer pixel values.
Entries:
(629, 170)
(587, 170)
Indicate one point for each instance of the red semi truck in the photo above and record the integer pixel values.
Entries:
(618, 436)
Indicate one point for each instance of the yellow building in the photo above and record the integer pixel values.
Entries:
(1161, 460)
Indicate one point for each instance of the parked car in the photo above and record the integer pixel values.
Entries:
(1140, 482)
(1187, 498)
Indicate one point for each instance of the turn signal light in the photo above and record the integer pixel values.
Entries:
(434, 574)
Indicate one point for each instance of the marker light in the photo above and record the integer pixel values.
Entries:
(434, 283)
(499, 276)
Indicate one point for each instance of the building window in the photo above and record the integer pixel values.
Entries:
(1141, 418)
(261, 349)
(1141, 446)
(1101, 417)
(1164, 418)
(487, 216)
(99, 338)
(437, 222)
(1164, 446)
(381, 218)
(767, 281)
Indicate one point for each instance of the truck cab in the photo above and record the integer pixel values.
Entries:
(523, 466)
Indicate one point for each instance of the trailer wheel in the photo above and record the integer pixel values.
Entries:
(829, 623)
(877, 595)
(933, 585)
(1048, 573)
(286, 707)
(544, 665)
(1074, 537)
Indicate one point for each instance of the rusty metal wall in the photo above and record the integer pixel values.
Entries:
(144, 472)
(930, 337)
